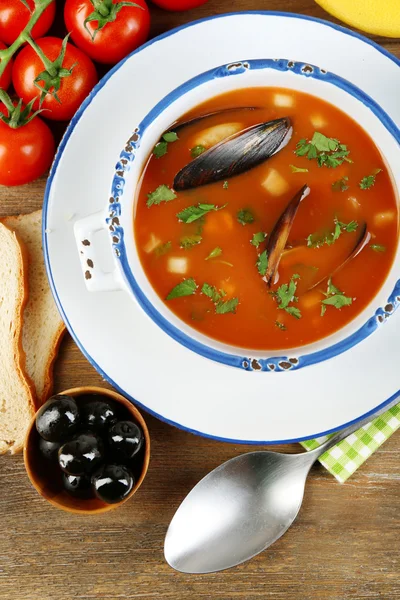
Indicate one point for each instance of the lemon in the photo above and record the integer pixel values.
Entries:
(381, 17)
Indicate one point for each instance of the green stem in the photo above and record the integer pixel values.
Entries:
(5, 98)
(47, 63)
(24, 36)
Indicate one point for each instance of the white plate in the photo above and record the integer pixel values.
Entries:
(121, 342)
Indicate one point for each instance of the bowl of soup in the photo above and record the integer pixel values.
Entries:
(253, 215)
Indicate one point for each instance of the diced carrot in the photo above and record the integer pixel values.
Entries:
(382, 219)
(310, 300)
(218, 221)
(318, 121)
(228, 286)
(274, 183)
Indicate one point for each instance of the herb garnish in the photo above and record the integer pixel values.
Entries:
(262, 263)
(162, 194)
(341, 184)
(298, 169)
(225, 185)
(258, 238)
(192, 213)
(378, 247)
(285, 294)
(162, 147)
(367, 182)
(214, 253)
(187, 287)
(315, 240)
(245, 216)
(188, 241)
(197, 150)
(329, 152)
(162, 249)
(280, 325)
(222, 307)
(334, 297)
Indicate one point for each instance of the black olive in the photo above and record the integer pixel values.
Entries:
(125, 439)
(78, 485)
(49, 449)
(97, 413)
(57, 419)
(112, 483)
(81, 454)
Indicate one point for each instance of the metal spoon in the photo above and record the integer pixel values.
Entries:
(242, 507)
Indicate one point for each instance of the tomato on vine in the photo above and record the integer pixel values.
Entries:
(107, 30)
(14, 16)
(26, 145)
(5, 78)
(56, 74)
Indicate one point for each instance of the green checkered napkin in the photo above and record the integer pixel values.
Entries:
(344, 459)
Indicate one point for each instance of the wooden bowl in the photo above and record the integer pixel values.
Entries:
(45, 479)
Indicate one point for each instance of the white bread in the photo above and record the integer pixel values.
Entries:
(42, 325)
(16, 399)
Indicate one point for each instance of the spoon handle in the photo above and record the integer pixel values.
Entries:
(343, 433)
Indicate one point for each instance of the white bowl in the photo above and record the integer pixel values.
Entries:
(117, 217)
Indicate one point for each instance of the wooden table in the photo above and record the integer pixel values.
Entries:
(344, 545)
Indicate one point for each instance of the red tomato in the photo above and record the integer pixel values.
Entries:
(74, 88)
(25, 152)
(177, 5)
(5, 79)
(14, 16)
(116, 39)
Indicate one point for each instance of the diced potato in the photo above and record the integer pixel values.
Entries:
(283, 100)
(354, 202)
(310, 300)
(274, 183)
(317, 121)
(218, 222)
(228, 286)
(153, 242)
(177, 264)
(382, 219)
(213, 135)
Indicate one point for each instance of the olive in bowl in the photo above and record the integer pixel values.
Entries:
(80, 469)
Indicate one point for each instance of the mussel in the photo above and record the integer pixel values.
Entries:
(235, 155)
(280, 233)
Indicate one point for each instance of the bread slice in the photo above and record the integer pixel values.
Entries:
(16, 399)
(42, 325)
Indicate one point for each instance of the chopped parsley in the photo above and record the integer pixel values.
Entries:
(187, 287)
(334, 297)
(162, 249)
(214, 253)
(316, 240)
(298, 169)
(188, 241)
(225, 185)
(227, 306)
(258, 238)
(262, 263)
(192, 213)
(222, 307)
(162, 194)
(378, 248)
(245, 216)
(162, 147)
(340, 185)
(367, 182)
(280, 325)
(197, 150)
(328, 152)
(285, 295)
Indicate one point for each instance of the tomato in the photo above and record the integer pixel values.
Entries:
(177, 5)
(73, 89)
(14, 17)
(117, 38)
(5, 79)
(25, 152)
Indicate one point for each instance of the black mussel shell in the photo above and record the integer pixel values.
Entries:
(236, 154)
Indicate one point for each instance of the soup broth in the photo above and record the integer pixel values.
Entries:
(239, 265)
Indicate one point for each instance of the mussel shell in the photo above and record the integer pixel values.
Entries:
(237, 154)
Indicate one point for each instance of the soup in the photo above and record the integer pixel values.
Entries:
(266, 237)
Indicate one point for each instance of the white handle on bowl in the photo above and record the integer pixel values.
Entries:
(96, 279)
